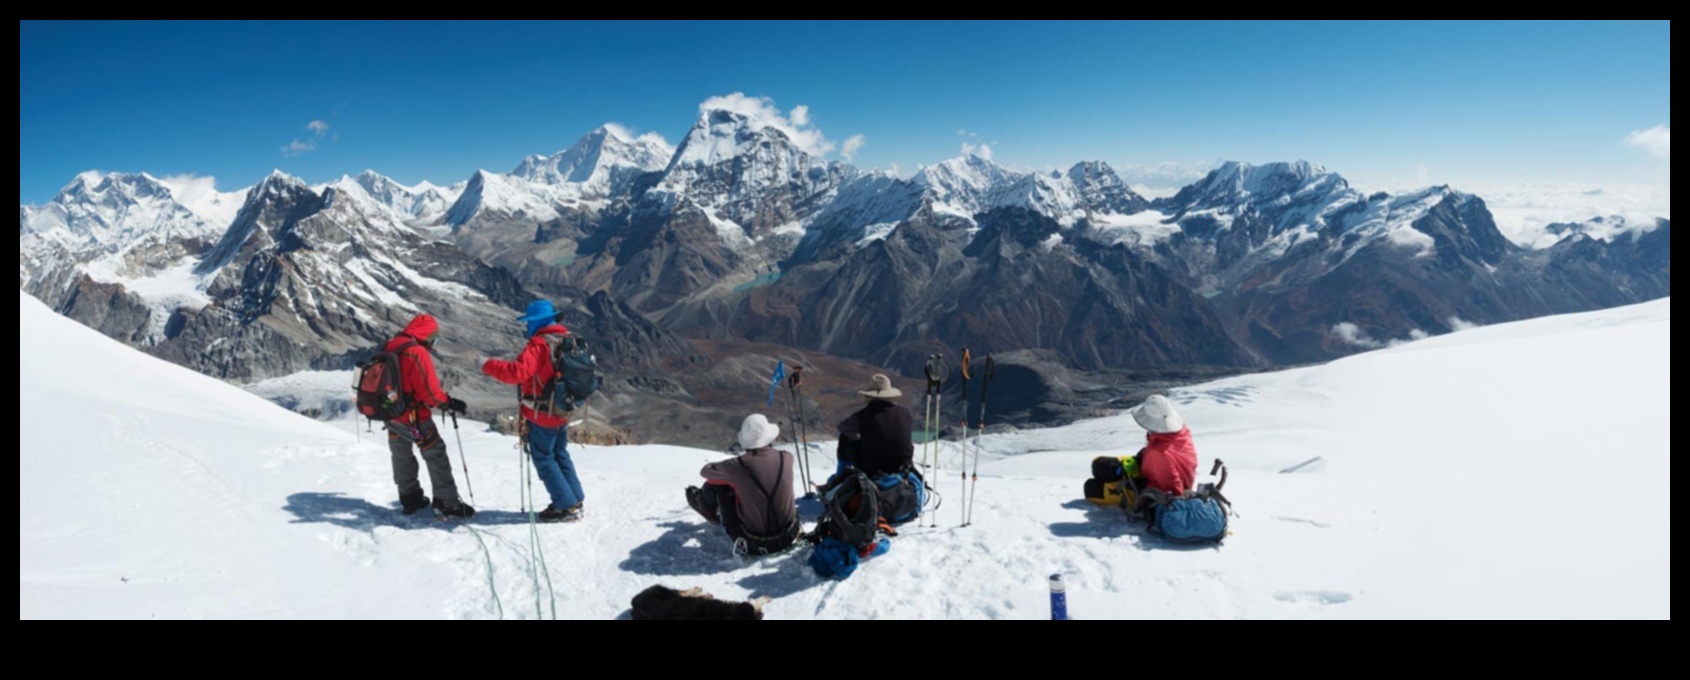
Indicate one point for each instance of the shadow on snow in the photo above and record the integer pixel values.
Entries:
(358, 514)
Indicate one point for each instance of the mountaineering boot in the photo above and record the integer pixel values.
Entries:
(551, 514)
(459, 509)
(696, 502)
(411, 504)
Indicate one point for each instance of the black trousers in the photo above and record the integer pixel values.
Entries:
(719, 505)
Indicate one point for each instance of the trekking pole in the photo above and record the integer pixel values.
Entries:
(463, 457)
(963, 497)
(792, 436)
(931, 416)
(935, 372)
(938, 418)
(974, 485)
(795, 386)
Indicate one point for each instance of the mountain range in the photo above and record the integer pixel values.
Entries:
(692, 265)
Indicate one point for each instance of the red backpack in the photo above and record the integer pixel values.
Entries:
(380, 386)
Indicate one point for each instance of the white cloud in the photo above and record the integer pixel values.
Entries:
(1354, 335)
(853, 144)
(1458, 324)
(1524, 210)
(893, 168)
(1656, 140)
(984, 151)
(300, 147)
(1168, 175)
(1153, 193)
(191, 188)
(762, 111)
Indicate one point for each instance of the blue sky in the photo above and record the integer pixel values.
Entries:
(1385, 104)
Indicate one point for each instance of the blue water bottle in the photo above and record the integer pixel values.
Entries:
(1058, 599)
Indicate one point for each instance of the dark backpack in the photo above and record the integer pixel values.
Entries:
(576, 374)
(380, 387)
(851, 511)
(901, 496)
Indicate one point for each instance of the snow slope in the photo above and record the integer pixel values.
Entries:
(186, 498)
(155, 492)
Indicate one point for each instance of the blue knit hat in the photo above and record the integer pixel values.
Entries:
(540, 314)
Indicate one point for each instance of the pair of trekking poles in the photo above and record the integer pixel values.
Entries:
(936, 371)
(800, 434)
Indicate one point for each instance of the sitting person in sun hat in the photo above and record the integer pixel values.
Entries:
(876, 439)
(751, 494)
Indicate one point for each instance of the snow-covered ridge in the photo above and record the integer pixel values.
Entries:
(1296, 201)
(1088, 191)
(1609, 229)
(422, 203)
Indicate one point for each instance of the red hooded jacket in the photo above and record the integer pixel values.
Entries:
(416, 368)
(1170, 462)
(530, 372)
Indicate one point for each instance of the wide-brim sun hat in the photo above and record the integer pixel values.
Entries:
(757, 432)
(1157, 415)
(881, 388)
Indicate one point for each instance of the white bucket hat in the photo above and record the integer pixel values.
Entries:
(1157, 414)
(757, 432)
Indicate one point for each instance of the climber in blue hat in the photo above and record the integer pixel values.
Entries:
(546, 424)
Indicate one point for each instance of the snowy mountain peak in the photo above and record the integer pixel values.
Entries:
(424, 201)
(1100, 190)
(114, 210)
(600, 163)
(114, 187)
(278, 182)
(966, 174)
(970, 185)
(1234, 180)
(507, 196)
(721, 135)
(1234, 188)
(736, 166)
(272, 197)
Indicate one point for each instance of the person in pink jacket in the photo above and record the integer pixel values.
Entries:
(1168, 462)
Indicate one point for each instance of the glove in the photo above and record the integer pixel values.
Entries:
(456, 405)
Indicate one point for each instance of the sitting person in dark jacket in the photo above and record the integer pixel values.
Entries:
(751, 495)
(876, 439)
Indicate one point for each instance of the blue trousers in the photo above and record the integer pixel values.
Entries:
(550, 450)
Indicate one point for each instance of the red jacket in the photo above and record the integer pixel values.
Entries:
(530, 372)
(1170, 462)
(416, 368)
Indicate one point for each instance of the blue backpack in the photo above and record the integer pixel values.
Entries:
(902, 496)
(1196, 517)
(834, 559)
(1191, 519)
